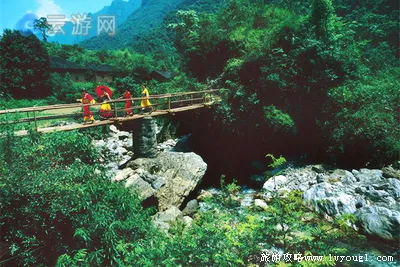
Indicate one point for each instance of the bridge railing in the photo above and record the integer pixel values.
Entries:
(167, 102)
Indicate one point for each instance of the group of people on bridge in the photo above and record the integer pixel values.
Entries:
(105, 95)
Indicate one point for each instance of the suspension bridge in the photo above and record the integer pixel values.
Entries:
(67, 117)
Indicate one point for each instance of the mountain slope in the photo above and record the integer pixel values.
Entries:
(145, 19)
(118, 8)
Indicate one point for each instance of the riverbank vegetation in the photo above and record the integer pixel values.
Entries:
(318, 79)
(59, 209)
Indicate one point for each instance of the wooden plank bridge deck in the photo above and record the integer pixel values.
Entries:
(163, 105)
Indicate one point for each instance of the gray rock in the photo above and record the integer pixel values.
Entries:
(181, 172)
(99, 143)
(260, 203)
(125, 159)
(379, 221)
(169, 215)
(318, 169)
(167, 145)
(114, 129)
(324, 198)
(275, 182)
(302, 188)
(360, 190)
(191, 207)
(187, 220)
(376, 195)
(122, 175)
(122, 135)
(375, 199)
(360, 203)
(112, 167)
(163, 226)
(121, 150)
(394, 187)
(141, 187)
(366, 178)
(390, 172)
(157, 184)
(145, 138)
(320, 178)
(346, 177)
(184, 144)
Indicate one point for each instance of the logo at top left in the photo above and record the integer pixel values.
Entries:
(25, 24)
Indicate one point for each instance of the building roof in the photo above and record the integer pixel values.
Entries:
(161, 75)
(60, 63)
(63, 64)
(101, 68)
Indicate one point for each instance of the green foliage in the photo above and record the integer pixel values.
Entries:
(225, 235)
(21, 103)
(24, 66)
(276, 165)
(288, 54)
(276, 162)
(322, 17)
(366, 115)
(278, 120)
(56, 202)
(63, 87)
(43, 26)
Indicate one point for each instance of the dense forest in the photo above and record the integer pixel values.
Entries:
(316, 79)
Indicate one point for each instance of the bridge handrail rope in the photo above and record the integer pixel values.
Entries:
(74, 105)
(170, 103)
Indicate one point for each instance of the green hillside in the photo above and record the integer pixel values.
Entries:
(147, 20)
(118, 8)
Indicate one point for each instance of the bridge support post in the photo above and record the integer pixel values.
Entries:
(145, 138)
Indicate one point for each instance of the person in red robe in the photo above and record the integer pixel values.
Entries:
(128, 102)
(86, 100)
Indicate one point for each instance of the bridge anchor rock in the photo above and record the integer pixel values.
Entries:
(145, 138)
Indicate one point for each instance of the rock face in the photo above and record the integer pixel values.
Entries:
(163, 178)
(145, 137)
(372, 198)
(169, 177)
(115, 150)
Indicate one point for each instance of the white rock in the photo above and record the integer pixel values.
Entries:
(260, 203)
(122, 175)
(187, 220)
(275, 182)
(114, 129)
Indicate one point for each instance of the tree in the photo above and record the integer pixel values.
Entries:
(43, 26)
(322, 15)
(24, 66)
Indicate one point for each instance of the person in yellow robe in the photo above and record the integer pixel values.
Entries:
(105, 108)
(145, 103)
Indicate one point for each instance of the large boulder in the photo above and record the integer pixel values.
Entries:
(329, 200)
(371, 195)
(172, 174)
(379, 221)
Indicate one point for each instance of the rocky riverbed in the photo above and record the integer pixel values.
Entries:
(165, 181)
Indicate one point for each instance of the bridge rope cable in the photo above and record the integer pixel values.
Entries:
(172, 104)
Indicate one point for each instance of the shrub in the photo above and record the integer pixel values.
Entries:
(56, 201)
(278, 120)
(365, 117)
